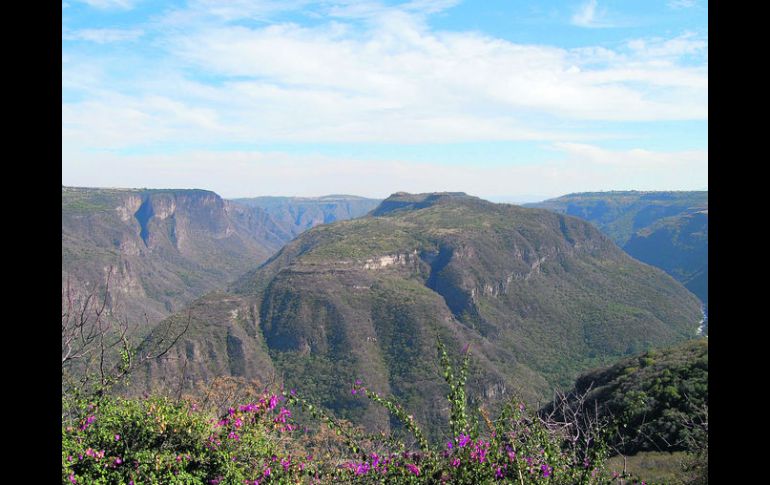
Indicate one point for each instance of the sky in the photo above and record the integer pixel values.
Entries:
(503, 99)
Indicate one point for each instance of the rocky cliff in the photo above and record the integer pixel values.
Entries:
(538, 296)
(161, 248)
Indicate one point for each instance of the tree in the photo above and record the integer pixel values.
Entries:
(97, 349)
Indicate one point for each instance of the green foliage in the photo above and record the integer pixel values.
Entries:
(516, 448)
(158, 440)
(658, 399)
(668, 230)
(541, 297)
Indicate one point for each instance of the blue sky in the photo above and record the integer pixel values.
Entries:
(497, 98)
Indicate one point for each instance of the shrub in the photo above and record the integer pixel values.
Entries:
(160, 440)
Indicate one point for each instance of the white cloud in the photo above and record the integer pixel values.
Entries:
(637, 157)
(243, 174)
(110, 4)
(104, 36)
(239, 9)
(376, 78)
(587, 16)
(430, 6)
(115, 121)
(677, 4)
(396, 83)
(683, 45)
(401, 68)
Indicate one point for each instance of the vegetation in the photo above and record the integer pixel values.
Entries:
(668, 230)
(349, 313)
(620, 214)
(165, 247)
(678, 245)
(658, 404)
(158, 440)
(168, 247)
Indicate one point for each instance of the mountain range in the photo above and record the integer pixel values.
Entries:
(537, 296)
(665, 229)
(164, 248)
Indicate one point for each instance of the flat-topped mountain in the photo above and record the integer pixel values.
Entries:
(168, 247)
(666, 229)
(538, 297)
(165, 247)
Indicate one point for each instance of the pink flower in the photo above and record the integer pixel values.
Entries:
(413, 468)
(362, 469)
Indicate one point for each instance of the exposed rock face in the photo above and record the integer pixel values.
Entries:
(163, 248)
(538, 296)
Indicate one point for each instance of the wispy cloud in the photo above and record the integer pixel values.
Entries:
(104, 36)
(242, 9)
(245, 173)
(586, 15)
(111, 4)
(395, 83)
(677, 4)
(656, 47)
(226, 72)
(430, 6)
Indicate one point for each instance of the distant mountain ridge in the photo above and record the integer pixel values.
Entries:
(297, 214)
(666, 229)
(166, 247)
(538, 296)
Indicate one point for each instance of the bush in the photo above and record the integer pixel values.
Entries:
(160, 440)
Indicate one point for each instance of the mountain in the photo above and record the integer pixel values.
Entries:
(538, 297)
(168, 247)
(665, 229)
(297, 214)
(678, 245)
(658, 394)
(165, 247)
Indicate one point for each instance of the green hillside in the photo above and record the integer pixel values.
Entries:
(660, 396)
(539, 297)
(668, 230)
